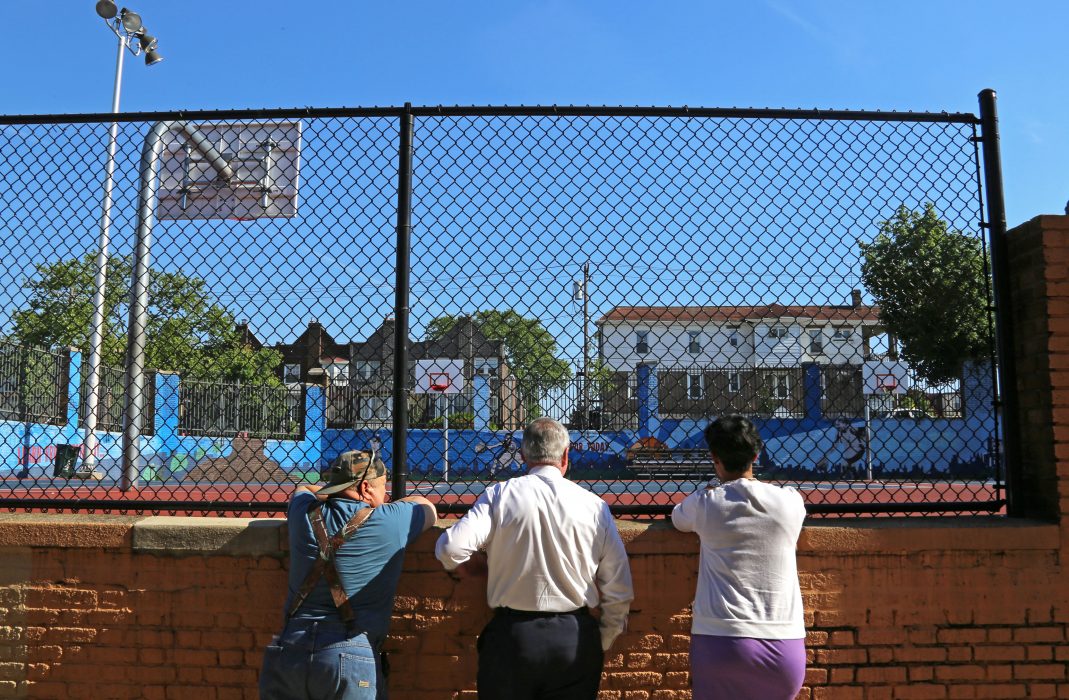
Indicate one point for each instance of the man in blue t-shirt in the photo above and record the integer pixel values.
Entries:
(347, 546)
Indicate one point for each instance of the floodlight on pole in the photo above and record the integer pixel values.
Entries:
(107, 9)
(131, 35)
(131, 21)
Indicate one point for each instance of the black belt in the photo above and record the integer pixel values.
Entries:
(527, 614)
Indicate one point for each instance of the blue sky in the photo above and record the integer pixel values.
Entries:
(922, 56)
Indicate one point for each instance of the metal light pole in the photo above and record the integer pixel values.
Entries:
(131, 35)
(586, 344)
(580, 291)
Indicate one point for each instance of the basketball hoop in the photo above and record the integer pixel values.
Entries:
(439, 381)
(887, 382)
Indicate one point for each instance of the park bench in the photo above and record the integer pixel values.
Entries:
(668, 463)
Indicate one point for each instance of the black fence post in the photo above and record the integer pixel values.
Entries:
(1000, 265)
(400, 348)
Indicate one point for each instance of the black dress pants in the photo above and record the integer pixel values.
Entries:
(540, 656)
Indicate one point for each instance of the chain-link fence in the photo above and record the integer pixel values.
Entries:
(244, 288)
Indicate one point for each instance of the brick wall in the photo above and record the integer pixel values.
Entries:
(124, 607)
(98, 607)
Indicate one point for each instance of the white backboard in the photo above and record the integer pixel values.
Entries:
(436, 370)
(265, 157)
(874, 374)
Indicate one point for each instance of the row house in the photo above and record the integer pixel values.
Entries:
(359, 374)
(746, 359)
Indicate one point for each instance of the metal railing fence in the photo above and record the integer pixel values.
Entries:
(110, 400)
(32, 385)
(369, 404)
(226, 410)
(302, 280)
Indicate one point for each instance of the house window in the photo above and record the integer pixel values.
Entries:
(642, 342)
(291, 374)
(777, 332)
(734, 339)
(375, 408)
(816, 341)
(734, 382)
(367, 369)
(695, 386)
(842, 333)
(487, 366)
(338, 372)
(694, 342)
(780, 386)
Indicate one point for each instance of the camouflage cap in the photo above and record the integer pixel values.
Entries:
(350, 468)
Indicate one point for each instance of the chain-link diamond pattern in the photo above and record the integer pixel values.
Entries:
(630, 273)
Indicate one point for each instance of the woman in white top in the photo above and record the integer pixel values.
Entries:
(747, 633)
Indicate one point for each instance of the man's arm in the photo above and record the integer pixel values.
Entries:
(430, 513)
(614, 581)
(472, 532)
(684, 513)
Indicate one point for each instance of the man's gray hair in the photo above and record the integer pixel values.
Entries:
(544, 442)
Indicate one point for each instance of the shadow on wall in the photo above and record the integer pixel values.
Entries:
(437, 620)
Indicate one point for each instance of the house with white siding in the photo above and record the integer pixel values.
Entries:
(714, 359)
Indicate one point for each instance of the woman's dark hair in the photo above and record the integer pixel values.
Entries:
(734, 440)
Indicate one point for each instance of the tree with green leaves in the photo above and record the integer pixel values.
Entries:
(186, 332)
(530, 349)
(930, 283)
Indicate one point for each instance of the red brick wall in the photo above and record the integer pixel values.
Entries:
(120, 607)
(955, 608)
(1039, 273)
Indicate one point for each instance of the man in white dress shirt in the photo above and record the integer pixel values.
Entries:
(553, 553)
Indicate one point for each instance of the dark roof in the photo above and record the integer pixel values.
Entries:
(455, 343)
(458, 340)
(695, 314)
(246, 336)
(379, 343)
(314, 336)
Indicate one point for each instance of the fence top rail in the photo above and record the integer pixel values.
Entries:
(500, 111)
(7, 345)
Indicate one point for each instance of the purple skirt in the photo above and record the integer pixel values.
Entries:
(740, 668)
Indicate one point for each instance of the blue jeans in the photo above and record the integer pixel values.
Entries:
(321, 661)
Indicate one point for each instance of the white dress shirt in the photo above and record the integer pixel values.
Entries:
(551, 546)
(748, 573)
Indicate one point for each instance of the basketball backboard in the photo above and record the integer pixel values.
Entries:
(885, 376)
(265, 157)
(439, 376)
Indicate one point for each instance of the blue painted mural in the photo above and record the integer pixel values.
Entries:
(811, 446)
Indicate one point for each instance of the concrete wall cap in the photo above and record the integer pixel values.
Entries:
(183, 536)
(65, 530)
(906, 535)
(190, 535)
